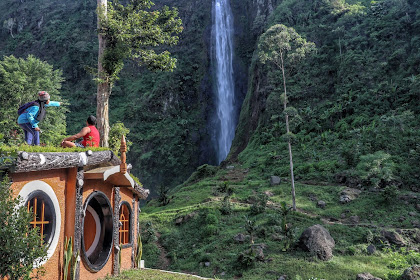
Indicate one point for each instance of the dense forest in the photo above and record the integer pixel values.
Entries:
(354, 108)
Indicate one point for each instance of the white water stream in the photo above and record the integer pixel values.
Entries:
(223, 60)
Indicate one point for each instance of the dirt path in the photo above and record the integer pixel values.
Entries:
(164, 260)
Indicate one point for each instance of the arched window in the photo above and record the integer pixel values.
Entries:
(125, 228)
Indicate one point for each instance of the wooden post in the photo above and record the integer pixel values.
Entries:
(78, 220)
(123, 150)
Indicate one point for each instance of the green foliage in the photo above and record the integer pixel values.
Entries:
(401, 260)
(20, 81)
(164, 197)
(247, 258)
(251, 228)
(21, 247)
(202, 172)
(130, 30)
(390, 193)
(149, 233)
(286, 227)
(259, 203)
(283, 46)
(226, 206)
(378, 169)
(70, 259)
(116, 131)
(139, 251)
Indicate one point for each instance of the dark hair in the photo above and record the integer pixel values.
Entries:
(91, 120)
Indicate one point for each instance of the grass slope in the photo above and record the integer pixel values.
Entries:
(195, 231)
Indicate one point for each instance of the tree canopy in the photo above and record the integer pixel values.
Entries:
(20, 81)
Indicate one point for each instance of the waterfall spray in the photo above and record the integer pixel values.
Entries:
(223, 65)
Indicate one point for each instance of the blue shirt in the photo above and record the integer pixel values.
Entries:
(30, 114)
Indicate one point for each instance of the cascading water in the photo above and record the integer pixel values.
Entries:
(223, 66)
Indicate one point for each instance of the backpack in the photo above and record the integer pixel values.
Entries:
(25, 106)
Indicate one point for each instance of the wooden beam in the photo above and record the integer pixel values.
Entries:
(46, 161)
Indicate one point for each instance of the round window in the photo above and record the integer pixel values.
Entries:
(97, 231)
(43, 214)
(40, 197)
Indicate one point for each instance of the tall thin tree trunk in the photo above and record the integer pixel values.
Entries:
(104, 87)
(292, 176)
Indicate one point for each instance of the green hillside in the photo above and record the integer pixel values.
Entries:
(200, 223)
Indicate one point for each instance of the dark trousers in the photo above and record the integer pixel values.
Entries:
(31, 135)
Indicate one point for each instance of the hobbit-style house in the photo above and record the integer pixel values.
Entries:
(88, 196)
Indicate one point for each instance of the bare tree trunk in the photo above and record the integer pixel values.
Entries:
(292, 176)
(104, 86)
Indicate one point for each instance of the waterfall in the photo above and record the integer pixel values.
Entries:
(223, 67)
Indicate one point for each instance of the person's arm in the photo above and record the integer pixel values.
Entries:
(82, 133)
(31, 113)
(53, 104)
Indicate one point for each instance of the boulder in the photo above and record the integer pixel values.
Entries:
(349, 194)
(321, 204)
(412, 273)
(258, 250)
(371, 249)
(317, 240)
(345, 199)
(366, 276)
(393, 238)
(354, 219)
(275, 180)
(240, 238)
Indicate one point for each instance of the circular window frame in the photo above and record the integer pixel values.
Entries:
(94, 195)
(27, 192)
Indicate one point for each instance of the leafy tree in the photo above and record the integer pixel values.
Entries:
(21, 247)
(284, 47)
(20, 80)
(117, 130)
(130, 31)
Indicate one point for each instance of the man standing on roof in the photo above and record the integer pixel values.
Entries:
(33, 115)
(89, 133)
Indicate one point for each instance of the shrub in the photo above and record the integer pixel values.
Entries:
(149, 233)
(377, 169)
(21, 247)
(210, 230)
(211, 219)
(226, 206)
(390, 193)
(247, 258)
(259, 204)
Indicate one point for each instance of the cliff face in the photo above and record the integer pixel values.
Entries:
(251, 19)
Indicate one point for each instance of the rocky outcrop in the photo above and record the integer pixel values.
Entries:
(393, 238)
(349, 194)
(412, 273)
(366, 276)
(317, 240)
